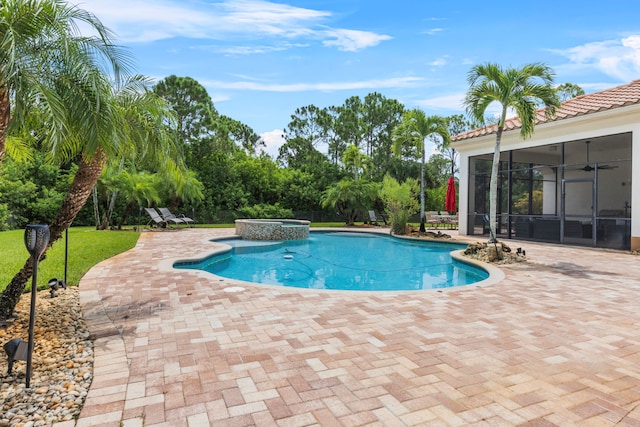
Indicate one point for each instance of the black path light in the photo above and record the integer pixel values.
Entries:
(36, 239)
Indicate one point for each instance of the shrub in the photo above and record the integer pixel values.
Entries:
(266, 211)
(400, 201)
(4, 217)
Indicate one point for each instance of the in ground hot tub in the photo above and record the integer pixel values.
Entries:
(272, 229)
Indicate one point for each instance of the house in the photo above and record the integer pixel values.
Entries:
(571, 182)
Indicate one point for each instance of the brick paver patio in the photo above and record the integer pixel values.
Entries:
(556, 342)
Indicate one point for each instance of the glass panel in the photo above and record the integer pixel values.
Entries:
(614, 233)
(578, 198)
(578, 207)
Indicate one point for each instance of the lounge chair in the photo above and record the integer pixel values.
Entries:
(374, 220)
(166, 214)
(159, 220)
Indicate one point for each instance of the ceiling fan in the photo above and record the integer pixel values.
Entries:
(589, 168)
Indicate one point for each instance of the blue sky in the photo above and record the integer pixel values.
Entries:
(260, 60)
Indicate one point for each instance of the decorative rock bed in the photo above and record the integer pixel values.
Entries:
(272, 229)
(500, 253)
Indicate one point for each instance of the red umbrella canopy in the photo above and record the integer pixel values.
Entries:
(450, 200)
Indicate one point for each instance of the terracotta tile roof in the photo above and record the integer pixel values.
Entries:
(619, 96)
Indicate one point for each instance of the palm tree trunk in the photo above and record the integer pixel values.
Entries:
(422, 227)
(114, 196)
(127, 209)
(5, 117)
(493, 186)
(96, 207)
(86, 177)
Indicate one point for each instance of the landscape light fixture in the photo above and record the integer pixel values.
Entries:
(55, 284)
(36, 239)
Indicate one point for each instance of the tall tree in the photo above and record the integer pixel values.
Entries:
(456, 124)
(39, 42)
(194, 110)
(567, 91)
(409, 141)
(233, 135)
(329, 120)
(195, 116)
(525, 90)
(380, 116)
(350, 121)
(299, 153)
(356, 162)
(306, 124)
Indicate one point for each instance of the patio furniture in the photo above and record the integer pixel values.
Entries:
(431, 218)
(450, 221)
(158, 220)
(374, 220)
(166, 214)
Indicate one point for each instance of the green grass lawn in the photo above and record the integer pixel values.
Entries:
(87, 247)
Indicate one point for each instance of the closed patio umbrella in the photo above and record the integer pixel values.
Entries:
(450, 200)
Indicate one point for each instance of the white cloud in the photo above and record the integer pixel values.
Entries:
(440, 62)
(273, 141)
(447, 102)
(220, 98)
(596, 87)
(616, 58)
(433, 31)
(303, 87)
(250, 49)
(138, 21)
(455, 103)
(352, 40)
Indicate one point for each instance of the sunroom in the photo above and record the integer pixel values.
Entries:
(572, 182)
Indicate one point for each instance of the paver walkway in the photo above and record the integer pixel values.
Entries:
(557, 342)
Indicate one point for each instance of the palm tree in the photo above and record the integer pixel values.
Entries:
(137, 188)
(181, 186)
(39, 42)
(524, 90)
(350, 197)
(129, 118)
(409, 139)
(355, 161)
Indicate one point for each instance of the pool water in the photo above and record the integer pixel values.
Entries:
(343, 261)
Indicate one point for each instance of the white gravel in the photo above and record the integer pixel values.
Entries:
(62, 363)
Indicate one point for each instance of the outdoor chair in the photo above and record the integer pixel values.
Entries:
(375, 220)
(158, 220)
(432, 219)
(451, 221)
(166, 214)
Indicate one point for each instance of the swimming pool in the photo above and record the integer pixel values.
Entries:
(342, 261)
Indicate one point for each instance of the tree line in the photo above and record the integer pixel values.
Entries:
(225, 175)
